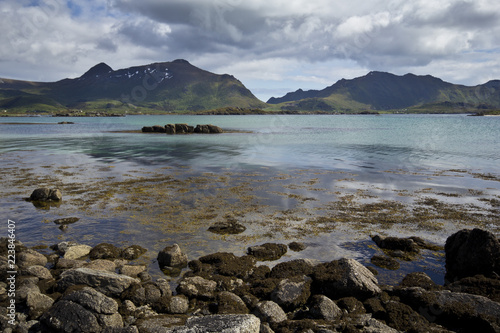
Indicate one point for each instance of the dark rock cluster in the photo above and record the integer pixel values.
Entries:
(182, 129)
(101, 291)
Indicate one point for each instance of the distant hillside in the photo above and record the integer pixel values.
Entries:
(167, 86)
(385, 91)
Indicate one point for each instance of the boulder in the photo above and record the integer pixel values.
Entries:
(162, 324)
(39, 271)
(67, 220)
(37, 304)
(419, 279)
(93, 300)
(343, 278)
(227, 264)
(214, 129)
(292, 293)
(472, 252)
(170, 129)
(172, 304)
(172, 256)
(270, 312)
(101, 265)
(133, 252)
(104, 251)
(322, 307)
(77, 251)
(197, 287)
(292, 268)
(46, 194)
(202, 129)
(268, 251)
(297, 246)
(30, 257)
(147, 129)
(227, 228)
(158, 129)
(232, 323)
(183, 129)
(108, 283)
(68, 316)
(229, 303)
(132, 270)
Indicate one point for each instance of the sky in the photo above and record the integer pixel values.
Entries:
(271, 46)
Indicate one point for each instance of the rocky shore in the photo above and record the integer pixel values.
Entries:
(79, 288)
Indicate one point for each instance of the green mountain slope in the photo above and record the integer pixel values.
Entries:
(167, 86)
(385, 91)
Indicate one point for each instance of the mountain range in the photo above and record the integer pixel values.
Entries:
(167, 86)
(180, 86)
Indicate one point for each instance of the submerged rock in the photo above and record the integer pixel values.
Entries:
(67, 220)
(227, 227)
(46, 194)
(104, 251)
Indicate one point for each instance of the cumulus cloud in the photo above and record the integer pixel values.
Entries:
(287, 40)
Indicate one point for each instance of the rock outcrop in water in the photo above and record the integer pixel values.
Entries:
(183, 129)
(222, 292)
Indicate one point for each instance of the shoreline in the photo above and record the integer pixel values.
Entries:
(107, 287)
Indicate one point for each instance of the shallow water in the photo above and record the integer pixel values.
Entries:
(276, 176)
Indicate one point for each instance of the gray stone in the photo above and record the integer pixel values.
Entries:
(30, 257)
(68, 263)
(164, 287)
(142, 294)
(324, 308)
(37, 304)
(292, 293)
(270, 311)
(172, 256)
(111, 320)
(110, 284)
(159, 323)
(101, 265)
(133, 252)
(93, 301)
(39, 271)
(197, 287)
(77, 251)
(132, 270)
(220, 324)
(178, 304)
(344, 278)
(46, 194)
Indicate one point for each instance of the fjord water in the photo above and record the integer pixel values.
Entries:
(386, 154)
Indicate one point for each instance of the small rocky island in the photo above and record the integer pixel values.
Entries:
(79, 288)
(183, 129)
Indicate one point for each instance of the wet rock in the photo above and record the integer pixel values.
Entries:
(322, 307)
(104, 251)
(395, 243)
(197, 287)
(39, 271)
(403, 318)
(270, 312)
(263, 288)
(46, 194)
(292, 293)
(227, 264)
(147, 129)
(297, 267)
(385, 262)
(172, 256)
(297, 246)
(226, 283)
(67, 220)
(37, 304)
(30, 257)
(227, 228)
(232, 323)
(110, 284)
(419, 279)
(133, 252)
(77, 251)
(183, 129)
(343, 278)
(170, 129)
(267, 251)
(164, 287)
(229, 303)
(142, 294)
(214, 129)
(472, 252)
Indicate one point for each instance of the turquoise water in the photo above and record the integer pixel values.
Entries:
(385, 155)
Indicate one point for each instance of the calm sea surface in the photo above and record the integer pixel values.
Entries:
(268, 155)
